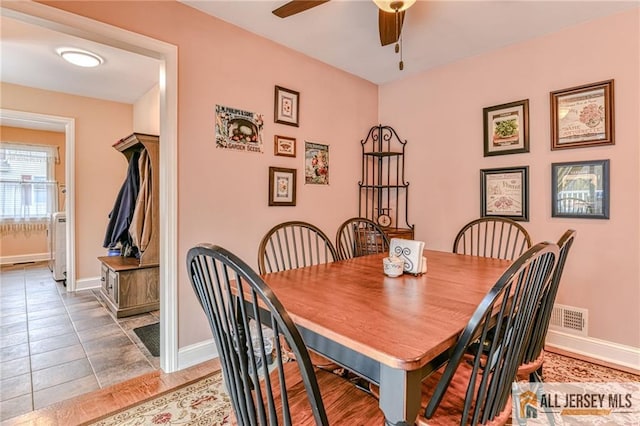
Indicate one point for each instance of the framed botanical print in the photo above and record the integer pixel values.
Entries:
(287, 106)
(316, 163)
(582, 116)
(506, 128)
(282, 186)
(505, 193)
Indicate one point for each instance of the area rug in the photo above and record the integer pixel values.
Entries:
(206, 403)
(562, 369)
(203, 403)
(150, 337)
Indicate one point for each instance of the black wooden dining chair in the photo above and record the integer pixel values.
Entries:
(474, 387)
(292, 245)
(264, 386)
(497, 237)
(531, 367)
(360, 236)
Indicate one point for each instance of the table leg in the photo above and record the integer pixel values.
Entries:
(400, 395)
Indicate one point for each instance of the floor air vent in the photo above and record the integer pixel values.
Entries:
(569, 319)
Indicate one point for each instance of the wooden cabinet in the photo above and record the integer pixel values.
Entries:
(384, 194)
(130, 285)
(127, 287)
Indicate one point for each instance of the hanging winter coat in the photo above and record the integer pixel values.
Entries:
(122, 213)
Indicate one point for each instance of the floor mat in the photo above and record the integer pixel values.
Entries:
(150, 336)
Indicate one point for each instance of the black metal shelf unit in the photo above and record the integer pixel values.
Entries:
(383, 192)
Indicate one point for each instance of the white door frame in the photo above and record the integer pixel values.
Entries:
(167, 54)
(61, 124)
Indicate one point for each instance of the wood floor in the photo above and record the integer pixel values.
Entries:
(98, 404)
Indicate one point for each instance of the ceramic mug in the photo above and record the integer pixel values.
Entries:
(393, 266)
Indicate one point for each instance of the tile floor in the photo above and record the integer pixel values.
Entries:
(56, 345)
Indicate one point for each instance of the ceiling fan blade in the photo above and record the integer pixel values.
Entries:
(296, 6)
(387, 26)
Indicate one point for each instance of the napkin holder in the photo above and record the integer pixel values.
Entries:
(411, 252)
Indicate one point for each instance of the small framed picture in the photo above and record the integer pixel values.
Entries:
(506, 128)
(316, 163)
(282, 186)
(582, 116)
(580, 189)
(287, 106)
(284, 146)
(505, 193)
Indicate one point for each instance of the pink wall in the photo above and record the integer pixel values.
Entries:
(223, 194)
(440, 113)
(99, 169)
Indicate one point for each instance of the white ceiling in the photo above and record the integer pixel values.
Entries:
(29, 58)
(342, 33)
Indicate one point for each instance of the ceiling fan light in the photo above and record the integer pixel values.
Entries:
(81, 58)
(394, 6)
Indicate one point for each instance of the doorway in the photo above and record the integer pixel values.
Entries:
(167, 55)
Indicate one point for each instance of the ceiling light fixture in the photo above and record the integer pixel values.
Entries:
(396, 7)
(81, 58)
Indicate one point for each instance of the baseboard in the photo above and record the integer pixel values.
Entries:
(196, 353)
(88, 283)
(611, 354)
(24, 258)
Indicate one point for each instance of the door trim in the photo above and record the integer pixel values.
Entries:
(167, 54)
(66, 125)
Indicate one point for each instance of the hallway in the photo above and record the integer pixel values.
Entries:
(56, 345)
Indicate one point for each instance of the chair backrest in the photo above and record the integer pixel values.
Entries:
(292, 245)
(497, 237)
(360, 236)
(543, 314)
(506, 314)
(238, 303)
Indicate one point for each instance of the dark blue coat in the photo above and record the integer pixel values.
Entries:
(120, 216)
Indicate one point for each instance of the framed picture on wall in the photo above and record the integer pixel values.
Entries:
(582, 116)
(580, 189)
(506, 128)
(316, 163)
(505, 193)
(282, 186)
(287, 106)
(284, 146)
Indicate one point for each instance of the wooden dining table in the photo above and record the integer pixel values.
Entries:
(391, 331)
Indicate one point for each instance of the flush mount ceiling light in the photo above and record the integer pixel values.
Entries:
(81, 58)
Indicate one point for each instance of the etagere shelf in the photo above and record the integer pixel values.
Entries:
(383, 192)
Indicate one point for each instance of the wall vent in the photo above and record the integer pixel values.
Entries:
(569, 319)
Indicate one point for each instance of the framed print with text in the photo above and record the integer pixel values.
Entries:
(316, 163)
(284, 146)
(580, 189)
(505, 193)
(506, 128)
(582, 116)
(287, 106)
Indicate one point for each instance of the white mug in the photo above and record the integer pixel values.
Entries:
(393, 266)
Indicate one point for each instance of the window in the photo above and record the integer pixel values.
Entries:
(28, 191)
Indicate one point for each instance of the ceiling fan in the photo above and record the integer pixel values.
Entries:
(390, 15)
